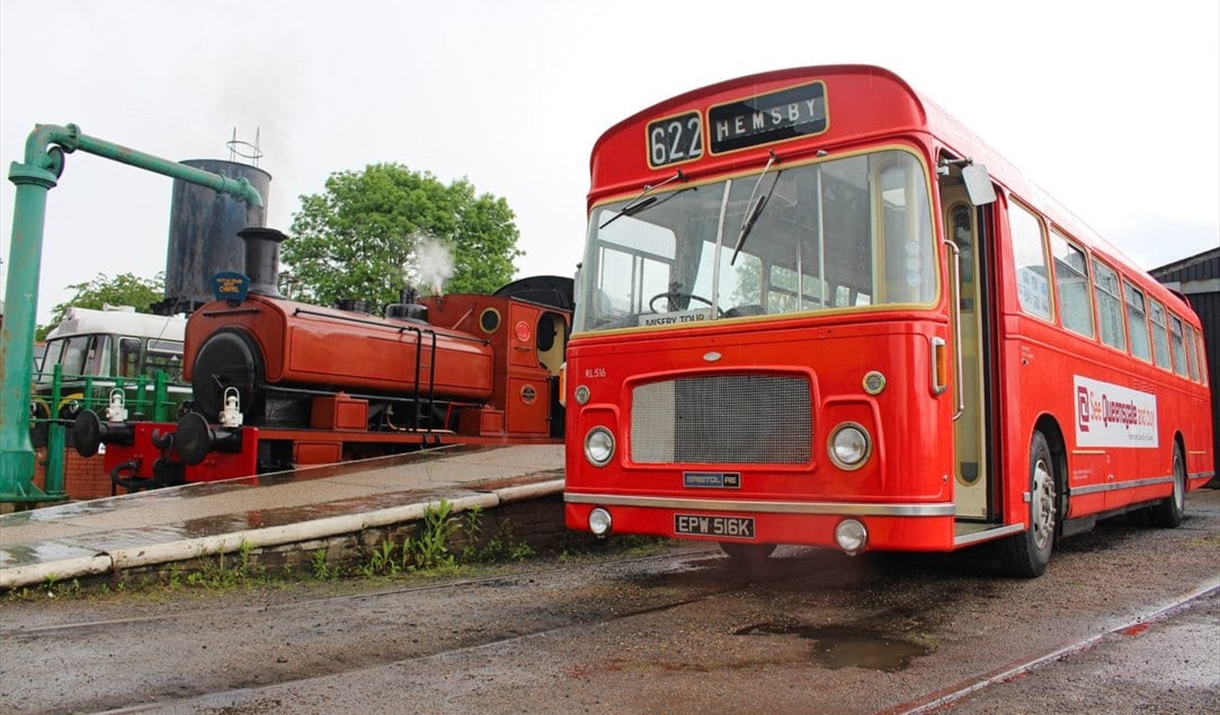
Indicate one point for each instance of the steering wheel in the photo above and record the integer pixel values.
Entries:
(675, 294)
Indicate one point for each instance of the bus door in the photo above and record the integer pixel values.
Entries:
(965, 221)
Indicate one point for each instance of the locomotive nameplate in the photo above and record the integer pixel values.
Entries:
(230, 285)
(737, 527)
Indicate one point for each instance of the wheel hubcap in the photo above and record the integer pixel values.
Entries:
(1179, 482)
(1043, 506)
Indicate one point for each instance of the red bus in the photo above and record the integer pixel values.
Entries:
(814, 309)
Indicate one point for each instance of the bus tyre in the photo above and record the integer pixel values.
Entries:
(1169, 511)
(1027, 554)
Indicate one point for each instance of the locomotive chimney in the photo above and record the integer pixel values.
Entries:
(263, 259)
(408, 307)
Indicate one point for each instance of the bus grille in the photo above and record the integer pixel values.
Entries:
(723, 419)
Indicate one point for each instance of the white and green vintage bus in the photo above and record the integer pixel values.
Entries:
(97, 349)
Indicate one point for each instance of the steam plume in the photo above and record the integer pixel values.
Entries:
(433, 264)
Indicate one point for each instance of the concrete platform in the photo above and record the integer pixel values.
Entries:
(93, 537)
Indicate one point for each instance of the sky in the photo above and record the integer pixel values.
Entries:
(1113, 109)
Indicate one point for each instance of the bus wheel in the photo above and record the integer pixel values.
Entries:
(1168, 512)
(1027, 554)
(746, 555)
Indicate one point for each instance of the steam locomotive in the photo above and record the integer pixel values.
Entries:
(278, 384)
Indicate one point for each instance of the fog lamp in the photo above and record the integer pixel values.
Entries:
(599, 446)
(851, 536)
(599, 522)
(850, 446)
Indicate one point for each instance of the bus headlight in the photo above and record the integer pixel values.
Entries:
(599, 522)
(599, 446)
(850, 446)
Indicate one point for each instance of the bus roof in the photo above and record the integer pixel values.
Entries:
(86, 321)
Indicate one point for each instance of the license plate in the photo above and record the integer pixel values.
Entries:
(737, 527)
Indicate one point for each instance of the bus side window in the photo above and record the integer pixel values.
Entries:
(1191, 353)
(1160, 336)
(1029, 256)
(1109, 306)
(1201, 358)
(1178, 344)
(129, 357)
(1072, 284)
(1137, 323)
(166, 356)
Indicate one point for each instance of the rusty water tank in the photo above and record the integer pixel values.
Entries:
(203, 227)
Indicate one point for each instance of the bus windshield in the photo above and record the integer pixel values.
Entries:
(837, 234)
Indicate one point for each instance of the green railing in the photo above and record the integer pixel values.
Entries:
(56, 403)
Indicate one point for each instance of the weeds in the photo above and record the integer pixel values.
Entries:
(221, 572)
(319, 567)
(473, 532)
(430, 548)
(384, 561)
(54, 588)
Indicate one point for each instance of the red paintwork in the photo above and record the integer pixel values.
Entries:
(914, 455)
(144, 454)
(309, 345)
(520, 384)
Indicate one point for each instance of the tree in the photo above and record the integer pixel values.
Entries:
(370, 233)
(125, 289)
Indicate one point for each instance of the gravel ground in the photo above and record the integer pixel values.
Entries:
(679, 632)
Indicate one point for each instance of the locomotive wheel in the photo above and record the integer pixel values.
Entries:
(229, 358)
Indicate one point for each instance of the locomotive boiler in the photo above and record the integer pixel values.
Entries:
(278, 384)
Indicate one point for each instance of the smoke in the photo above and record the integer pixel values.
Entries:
(433, 264)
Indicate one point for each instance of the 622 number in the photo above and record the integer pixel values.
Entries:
(675, 139)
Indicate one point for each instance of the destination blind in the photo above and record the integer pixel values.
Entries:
(767, 118)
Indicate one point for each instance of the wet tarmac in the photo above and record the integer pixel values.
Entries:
(83, 538)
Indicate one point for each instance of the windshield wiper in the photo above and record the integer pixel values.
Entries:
(644, 200)
(754, 207)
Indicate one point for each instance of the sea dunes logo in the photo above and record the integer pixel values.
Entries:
(1109, 415)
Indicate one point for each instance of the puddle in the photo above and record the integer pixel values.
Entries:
(838, 647)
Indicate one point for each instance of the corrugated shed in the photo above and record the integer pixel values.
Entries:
(1198, 278)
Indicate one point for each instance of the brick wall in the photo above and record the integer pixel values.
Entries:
(83, 478)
